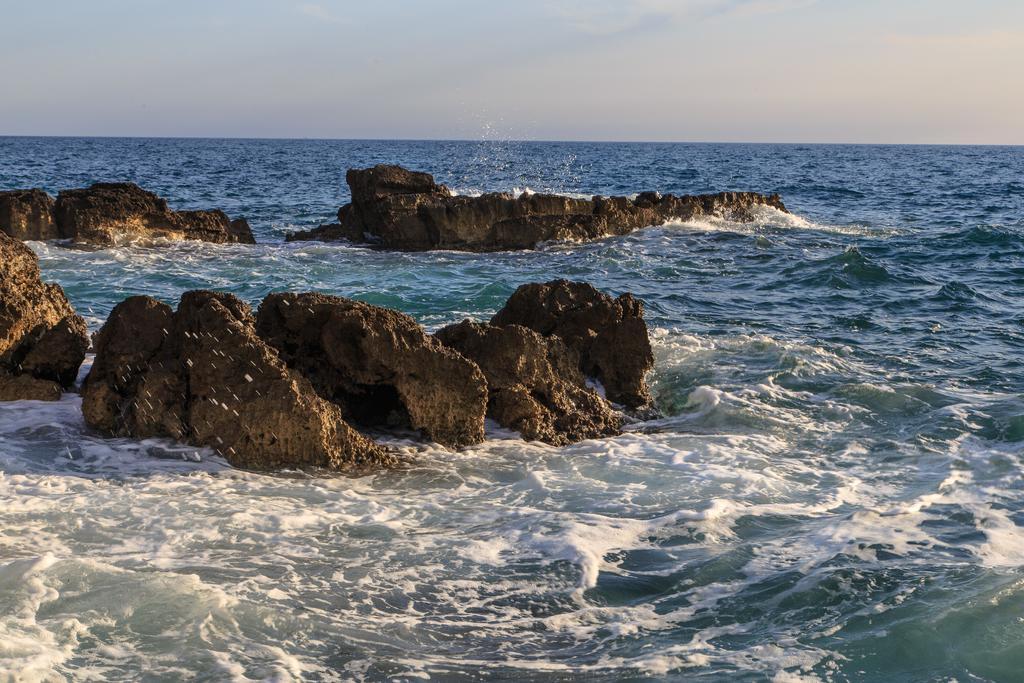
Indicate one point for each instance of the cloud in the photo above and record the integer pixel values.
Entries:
(320, 12)
(609, 17)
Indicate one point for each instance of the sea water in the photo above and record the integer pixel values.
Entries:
(832, 490)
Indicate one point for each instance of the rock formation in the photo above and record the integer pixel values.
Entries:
(202, 375)
(106, 213)
(27, 215)
(608, 335)
(534, 383)
(400, 209)
(378, 365)
(42, 341)
(294, 385)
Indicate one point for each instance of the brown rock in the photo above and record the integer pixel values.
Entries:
(27, 215)
(202, 375)
(401, 209)
(609, 335)
(40, 335)
(106, 213)
(59, 352)
(27, 388)
(378, 365)
(534, 383)
(135, 342)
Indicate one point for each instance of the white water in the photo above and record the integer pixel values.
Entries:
(128, 556)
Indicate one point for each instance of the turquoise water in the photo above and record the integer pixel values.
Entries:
(833, 491)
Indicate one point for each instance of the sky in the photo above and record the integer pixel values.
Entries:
(873, 71)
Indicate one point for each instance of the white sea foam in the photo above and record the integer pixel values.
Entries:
(119, 555)
(768, 218)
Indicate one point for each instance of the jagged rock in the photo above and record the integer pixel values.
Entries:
(378, 365)
(400, 209)
(202, 375)
(609, 335)
(27, 215)
(534, 383)
(106, 213)
(41, 337)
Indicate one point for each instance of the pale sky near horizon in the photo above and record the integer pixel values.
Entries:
(896, 71)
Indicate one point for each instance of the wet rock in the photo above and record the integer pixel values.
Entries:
(400, 209)
(608, 335)
(107, 213)
(41, 337)
(534, 383)
(378, 365)
(27, 215)
(202, 375)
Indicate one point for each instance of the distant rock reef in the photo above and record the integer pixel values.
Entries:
(110, 213)
(391, 208)
(395, 208)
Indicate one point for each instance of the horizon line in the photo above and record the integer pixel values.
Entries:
(517, 140)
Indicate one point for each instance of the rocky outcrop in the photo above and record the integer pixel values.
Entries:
(201, 375)
(608, 335)
(400, 209)
(27, 215)
(296, 384)
(42, 341)
(378, 365)
(534, 383)
(107, 213)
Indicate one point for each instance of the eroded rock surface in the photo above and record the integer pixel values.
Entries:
(108, 212)
(294, 385)
(609, 335)
(378, 365)
(42, 341)
(27, 215)
(534, 383)
(202, 375)
(401, 209)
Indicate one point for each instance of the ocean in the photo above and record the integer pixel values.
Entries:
(832, 491)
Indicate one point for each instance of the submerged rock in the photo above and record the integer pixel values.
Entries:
(202, 375)
(401, 209)
(27, 215)
(608, 335)
(42, 341)
(107, 212)
(534, 383)
(378, 365)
